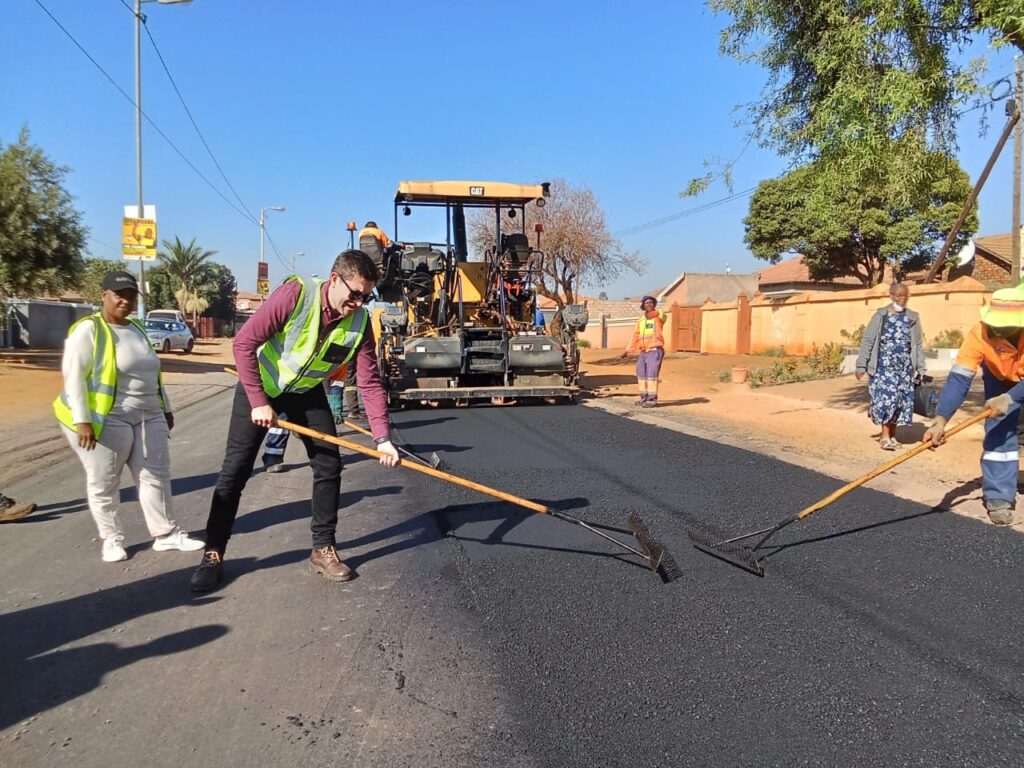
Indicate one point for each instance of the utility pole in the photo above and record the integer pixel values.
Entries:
(300, 253)
(138, 148)
(1015, 273)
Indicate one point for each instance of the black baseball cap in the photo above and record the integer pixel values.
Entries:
(120, 281)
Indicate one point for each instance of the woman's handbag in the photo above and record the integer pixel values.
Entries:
(926, 398)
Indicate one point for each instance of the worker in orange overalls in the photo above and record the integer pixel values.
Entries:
(648, 344)
(996, 345)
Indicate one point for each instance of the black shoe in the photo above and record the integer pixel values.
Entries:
(210, 572)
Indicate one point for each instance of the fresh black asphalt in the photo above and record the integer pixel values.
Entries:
(481, 634)
(884, 633)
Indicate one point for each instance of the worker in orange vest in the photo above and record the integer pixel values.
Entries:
(648, 344)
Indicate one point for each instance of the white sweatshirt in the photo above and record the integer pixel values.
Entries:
(138, 393)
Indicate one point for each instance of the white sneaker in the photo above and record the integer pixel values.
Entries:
(113, 551)
(178, 540)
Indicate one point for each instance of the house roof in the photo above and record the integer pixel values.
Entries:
(795, 270)
(1000, 246)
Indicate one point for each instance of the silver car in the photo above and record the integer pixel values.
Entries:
(166, 335)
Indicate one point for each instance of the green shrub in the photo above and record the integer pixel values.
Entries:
(951, 338)
(825, 361)
(779, 351)
(854, 337)
(583, 343)
(725, 377)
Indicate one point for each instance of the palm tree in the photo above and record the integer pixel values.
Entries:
(190, 265)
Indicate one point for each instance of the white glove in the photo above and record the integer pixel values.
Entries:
(999, 404)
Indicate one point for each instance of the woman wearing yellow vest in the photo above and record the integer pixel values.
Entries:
(648, 344)
(115, 411)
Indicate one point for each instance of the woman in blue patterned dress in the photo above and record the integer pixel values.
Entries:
(892, 356)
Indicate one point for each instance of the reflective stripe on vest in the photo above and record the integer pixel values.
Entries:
(290, 360)
(101, 378)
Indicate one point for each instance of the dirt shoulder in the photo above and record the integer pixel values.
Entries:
(822, 425)
(30, 380)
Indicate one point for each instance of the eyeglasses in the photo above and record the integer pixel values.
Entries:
(360, 296)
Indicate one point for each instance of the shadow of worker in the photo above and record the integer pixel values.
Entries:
(44, 682)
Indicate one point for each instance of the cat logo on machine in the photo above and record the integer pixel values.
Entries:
(476, 191)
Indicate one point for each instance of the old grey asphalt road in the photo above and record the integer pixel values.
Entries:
(480, 634)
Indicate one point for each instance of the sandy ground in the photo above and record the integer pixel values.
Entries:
(821, 425)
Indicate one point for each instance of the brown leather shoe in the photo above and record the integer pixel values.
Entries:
(16, 511)
(324, 560)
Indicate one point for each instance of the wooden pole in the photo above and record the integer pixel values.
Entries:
(1015, 273)
(941, 258)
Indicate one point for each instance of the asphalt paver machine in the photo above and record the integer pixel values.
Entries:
(456, 330)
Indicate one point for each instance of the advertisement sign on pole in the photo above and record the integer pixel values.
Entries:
(262, 278)
(138, 236)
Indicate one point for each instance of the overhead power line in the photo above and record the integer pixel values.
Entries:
(245, 214)
(684, 214)
(277, 251)
(195, 125)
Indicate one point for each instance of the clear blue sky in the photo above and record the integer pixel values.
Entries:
(323, 106)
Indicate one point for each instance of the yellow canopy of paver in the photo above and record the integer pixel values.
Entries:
(468, 192)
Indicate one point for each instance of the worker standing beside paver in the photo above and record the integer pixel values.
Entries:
(996, 344)
(648, 344)
(283, 355)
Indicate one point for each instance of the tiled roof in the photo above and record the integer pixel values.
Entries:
(794, 270)
(1000, 246)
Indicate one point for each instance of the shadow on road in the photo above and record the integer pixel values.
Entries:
(257, 520)
(55, 511)
(38, 678)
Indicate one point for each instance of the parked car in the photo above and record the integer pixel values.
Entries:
(173, 315)
(166, 335)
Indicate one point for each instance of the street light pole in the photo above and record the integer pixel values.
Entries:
(300, 253)
(138, 147)
(263, 223)
(140, 213)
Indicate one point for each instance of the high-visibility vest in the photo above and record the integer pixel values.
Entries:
(101, 378)
(293, 359)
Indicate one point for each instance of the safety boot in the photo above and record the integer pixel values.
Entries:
(999, 511)
(324, 561)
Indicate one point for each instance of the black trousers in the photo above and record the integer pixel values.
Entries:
(309, 409)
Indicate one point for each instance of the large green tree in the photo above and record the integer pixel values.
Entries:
(162, 287)
(88, 283)
(848, 79)
(857, 231)
(41, 233)
(219, 292)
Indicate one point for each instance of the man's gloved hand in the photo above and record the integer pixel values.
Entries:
(936, 433)
(999, 404)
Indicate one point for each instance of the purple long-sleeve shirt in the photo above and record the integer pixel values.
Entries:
(272, 317)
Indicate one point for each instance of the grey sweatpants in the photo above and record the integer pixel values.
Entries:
(145, 449)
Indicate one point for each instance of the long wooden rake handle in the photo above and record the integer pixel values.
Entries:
(905, 456)
(421, 468)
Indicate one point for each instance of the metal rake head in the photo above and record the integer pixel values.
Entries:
(734, 554)
(658, 556)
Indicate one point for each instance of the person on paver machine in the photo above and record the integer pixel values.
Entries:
(996, 344)
(283, 355)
